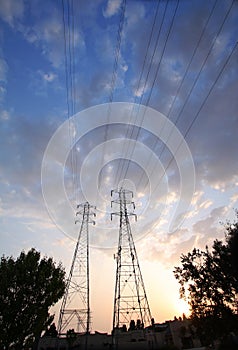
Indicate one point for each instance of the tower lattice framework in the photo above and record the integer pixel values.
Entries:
(75, 308)
(130, 301)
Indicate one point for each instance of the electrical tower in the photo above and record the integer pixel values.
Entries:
(75, 308)
(131, 308)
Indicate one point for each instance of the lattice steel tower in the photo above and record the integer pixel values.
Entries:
(75, 308)
(130, 301)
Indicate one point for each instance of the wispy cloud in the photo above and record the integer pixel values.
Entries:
(112, 8)
(11, 10)
(3, 70)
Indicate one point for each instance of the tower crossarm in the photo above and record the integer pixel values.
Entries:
(130, 301)
(75, 308)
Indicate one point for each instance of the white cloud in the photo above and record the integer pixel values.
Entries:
(113, 7)
(11, 10)
(172, 69)
(47, 33)
(41, 81)
(172, 197)
(3, 70)
(29, 34)
(3, 78)
(135, 13)
(124, 67)
(206, 204)
(5, 115)
(2, 93)
(197, 197)
(142, 89)
(233, 199)
(206, 230)
(49, 77)
(165, 247)
(50, 34)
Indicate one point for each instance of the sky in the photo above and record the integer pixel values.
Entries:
(98, 95)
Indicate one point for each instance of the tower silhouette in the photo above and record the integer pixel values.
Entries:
(75, 308)
(131, 308)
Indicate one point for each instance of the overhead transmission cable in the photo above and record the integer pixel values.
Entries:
(70, 85)
(71, 38)
(67, 83)
(196, 80)
(153, 83)
(120, 168)
(139, 81)
(154, 80)
(199, 110)
(181, 84)
(112, 85)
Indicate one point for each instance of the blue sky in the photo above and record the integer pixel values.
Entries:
(56, 61)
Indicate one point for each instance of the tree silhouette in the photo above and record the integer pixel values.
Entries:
(209, 282)
(29, 287)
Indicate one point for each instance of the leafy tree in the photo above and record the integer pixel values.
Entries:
(29, 287)
(71, 336)
(51, 331)
(209, 282)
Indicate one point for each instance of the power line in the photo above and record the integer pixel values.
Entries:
(69, 56)
(196, 79)
(66, 60)
(71, 45)
(199, 110)
(211, 89)
(182, 81)
(112, 84)
(117, 51)
(119, 168)
(155, 78)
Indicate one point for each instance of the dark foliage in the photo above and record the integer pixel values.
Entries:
(29, 287)
(209, 282)
(51, 331)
